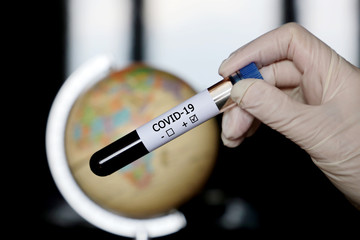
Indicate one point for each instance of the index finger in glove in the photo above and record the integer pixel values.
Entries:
(291, 43)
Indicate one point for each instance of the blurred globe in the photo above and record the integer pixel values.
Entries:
(158, 182)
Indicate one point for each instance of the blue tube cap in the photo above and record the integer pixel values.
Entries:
(249, 71)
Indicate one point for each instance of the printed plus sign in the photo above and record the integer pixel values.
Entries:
(184, 124)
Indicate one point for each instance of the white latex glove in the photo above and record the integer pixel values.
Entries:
(310, 94)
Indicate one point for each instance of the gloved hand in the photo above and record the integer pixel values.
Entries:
(310, 94)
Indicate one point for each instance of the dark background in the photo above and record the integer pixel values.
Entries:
(285, 194)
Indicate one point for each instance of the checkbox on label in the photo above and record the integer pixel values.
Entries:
(193, 118)
(170, 132)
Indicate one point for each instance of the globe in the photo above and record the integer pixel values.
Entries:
(161, 180)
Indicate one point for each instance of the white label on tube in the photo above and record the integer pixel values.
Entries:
(178, 120)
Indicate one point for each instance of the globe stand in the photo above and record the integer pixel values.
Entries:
(139, 229)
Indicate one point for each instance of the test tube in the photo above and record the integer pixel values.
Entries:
(169, 125)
